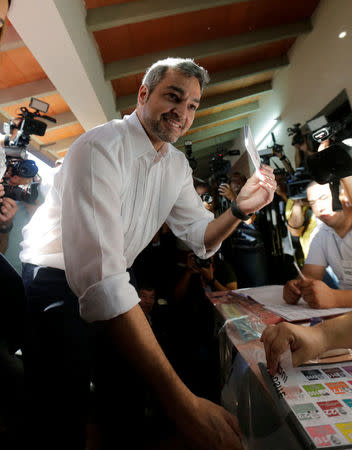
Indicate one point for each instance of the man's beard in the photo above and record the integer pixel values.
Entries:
(157, 129)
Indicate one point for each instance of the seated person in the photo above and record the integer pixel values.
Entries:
(305, 342)
(331, 246)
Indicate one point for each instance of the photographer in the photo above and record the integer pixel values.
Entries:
(8, 210)
(248, 254)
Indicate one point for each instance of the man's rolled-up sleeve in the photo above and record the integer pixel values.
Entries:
(189, 219)
(92, 232)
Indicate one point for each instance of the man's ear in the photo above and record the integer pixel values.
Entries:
(143, 94)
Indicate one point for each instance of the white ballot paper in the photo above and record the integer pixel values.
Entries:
(271, 297)
(251, 148)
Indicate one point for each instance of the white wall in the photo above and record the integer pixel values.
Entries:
(320, 68)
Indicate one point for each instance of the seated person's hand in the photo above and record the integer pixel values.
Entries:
(226, 191)
(8, 209)
(2, 190)
(318, 294)
(305, 343)
(292, 291)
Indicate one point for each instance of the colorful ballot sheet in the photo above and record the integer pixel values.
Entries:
(320, 398)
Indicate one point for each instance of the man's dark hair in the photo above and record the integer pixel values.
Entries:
(204, 184)
(145, 286)
(155, 73)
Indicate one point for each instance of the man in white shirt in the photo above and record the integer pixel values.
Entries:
(330, 246)
(118, 184)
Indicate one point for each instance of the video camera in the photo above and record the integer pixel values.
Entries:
(273, 150)
(220, 167)
(321, 129)
(27, 123)
(335, 162)
(297, 184)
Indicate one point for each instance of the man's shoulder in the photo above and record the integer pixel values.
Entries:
(323, 230)
(112, 131)
(177, 155)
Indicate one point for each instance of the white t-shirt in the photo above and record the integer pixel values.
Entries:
(329, 249)
(111, 196)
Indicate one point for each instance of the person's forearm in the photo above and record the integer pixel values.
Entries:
(296, 221)
(337, 332)
(134, 338)
(219, 229)
(217, 286)
(343, 298)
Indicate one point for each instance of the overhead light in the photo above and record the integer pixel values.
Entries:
(270, 127)
(342, 34)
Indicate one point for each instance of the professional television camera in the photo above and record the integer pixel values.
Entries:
(26, 124)
(219, 168)
(275, 150)
(322, 130)
(335, 162)
(297, 184)
(19, 169)
(189, 155)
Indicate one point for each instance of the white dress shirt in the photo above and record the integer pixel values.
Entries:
(111, 196)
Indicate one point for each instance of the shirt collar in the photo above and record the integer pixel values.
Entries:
(141, 144)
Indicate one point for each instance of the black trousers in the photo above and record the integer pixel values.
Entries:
(64, 355)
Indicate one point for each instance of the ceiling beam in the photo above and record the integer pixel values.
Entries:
(138, 64)
(23, 92)
(217, 140)
(247, 70)
(228, 114)
(62, 120)
(68, 54)
(45, 156)
(10, 39)
(140, 11)
(129, 101)
(63, 144)
(213, 131)
(235, 95)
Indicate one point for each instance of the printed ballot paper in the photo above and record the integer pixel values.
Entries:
(251, 148)
(317, 402)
